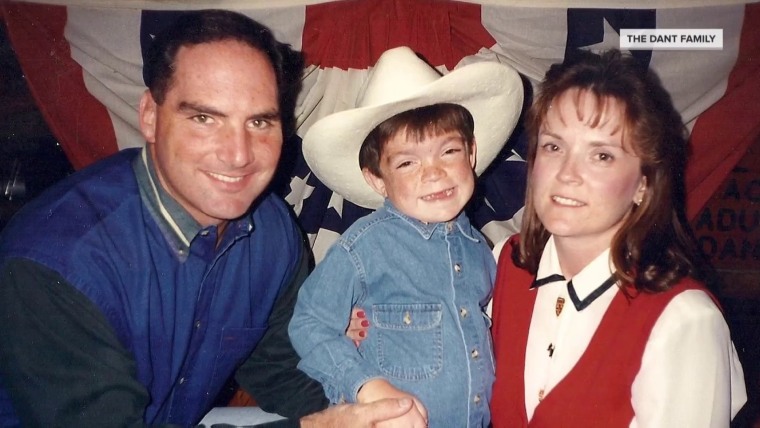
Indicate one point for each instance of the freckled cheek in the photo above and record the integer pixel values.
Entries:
(466, 181)
(401, 188)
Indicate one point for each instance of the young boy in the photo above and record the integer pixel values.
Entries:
(418, 268)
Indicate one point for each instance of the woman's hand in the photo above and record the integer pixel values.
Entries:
(358, 326)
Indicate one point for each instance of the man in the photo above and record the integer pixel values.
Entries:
(132, 291)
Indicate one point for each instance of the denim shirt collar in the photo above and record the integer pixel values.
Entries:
(426, 230)
(170, 213)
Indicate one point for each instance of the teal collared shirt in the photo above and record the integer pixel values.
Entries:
(179, 227)
(158, 200)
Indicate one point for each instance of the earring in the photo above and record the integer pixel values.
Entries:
(637, 203)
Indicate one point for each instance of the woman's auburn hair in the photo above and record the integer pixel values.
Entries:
(654, 247)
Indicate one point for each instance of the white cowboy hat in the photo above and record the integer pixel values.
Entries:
(400, 81)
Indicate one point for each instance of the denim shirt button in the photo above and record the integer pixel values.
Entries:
(182, 380)
(475, 354)
(198, 324)
(457, 267)
(407, 318)
(476, 399)
(463, 312)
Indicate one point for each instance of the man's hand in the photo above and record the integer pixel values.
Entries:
(360, 415)
(380, 389)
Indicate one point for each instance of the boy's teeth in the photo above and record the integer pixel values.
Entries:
(447, 192)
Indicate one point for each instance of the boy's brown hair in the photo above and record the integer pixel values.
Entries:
(417, 123)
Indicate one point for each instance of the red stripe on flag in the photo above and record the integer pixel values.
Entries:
(723, 132)
(80, 122)
(353, 34)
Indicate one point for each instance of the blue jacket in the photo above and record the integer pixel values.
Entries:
(188, 311)
(423, 287)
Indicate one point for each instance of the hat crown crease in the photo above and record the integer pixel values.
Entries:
(398, 74)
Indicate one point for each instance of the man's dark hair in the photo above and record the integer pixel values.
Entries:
(206, 26)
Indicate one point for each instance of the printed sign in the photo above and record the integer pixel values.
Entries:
(674, 38)
(728, 228)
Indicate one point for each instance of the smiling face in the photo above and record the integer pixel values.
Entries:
(217, 137)
(430, 180)
(584, 180)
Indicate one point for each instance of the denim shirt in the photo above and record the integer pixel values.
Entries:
(423, 288)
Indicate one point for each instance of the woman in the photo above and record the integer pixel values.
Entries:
(600, 318)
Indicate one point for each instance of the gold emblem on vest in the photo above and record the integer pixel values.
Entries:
(559, 305)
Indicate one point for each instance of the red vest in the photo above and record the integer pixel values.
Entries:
(597, 391)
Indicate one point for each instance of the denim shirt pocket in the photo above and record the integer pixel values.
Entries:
(408, 339)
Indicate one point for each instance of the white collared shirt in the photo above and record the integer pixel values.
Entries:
(690, 374)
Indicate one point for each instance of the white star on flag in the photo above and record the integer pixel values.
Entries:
(299, 191)
(336, 202)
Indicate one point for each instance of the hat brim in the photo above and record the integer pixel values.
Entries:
(491, 92)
